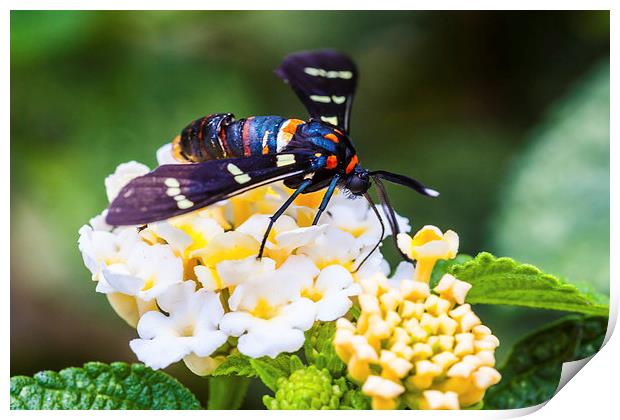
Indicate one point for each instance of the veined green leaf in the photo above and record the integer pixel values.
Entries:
(235, 364)
(531, 373)
(442, 267)
(99, 386)
(266, 368)
(268, 373)
(502, 281)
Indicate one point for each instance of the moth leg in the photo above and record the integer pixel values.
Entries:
(281, 211)
(374, 209)
(326, 198)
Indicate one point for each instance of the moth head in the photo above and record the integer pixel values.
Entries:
(358, 181)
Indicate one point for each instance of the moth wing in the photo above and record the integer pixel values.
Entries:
(171, 190)
(324, 81)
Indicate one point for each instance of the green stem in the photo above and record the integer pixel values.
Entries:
(227, 392)
(224, 296)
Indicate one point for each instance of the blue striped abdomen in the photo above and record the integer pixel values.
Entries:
(219, 136)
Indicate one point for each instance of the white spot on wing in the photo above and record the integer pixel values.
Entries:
(331, 120)
(322, 99)
(172, 182)
(332, 74)
(184, 204)
(345, 74)
(171, 192)
(284, 160)
(339, 99)
(234, 169)
(242, 179)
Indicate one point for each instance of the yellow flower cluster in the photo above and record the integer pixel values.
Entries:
(424, 348)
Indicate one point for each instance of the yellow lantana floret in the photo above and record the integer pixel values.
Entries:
(416, 346)
(428, 246)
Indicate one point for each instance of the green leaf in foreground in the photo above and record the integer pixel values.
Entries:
(502, 281)
(227, 392)
(99, 386)
(531, 373)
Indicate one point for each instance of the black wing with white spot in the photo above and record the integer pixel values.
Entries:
(325, 82)
(171, 190)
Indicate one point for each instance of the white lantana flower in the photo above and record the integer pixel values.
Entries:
(353, 215)
(147, 273)
(124, 173)
(103, 249)
(165, 156)
(270, 337)
(268, 313)
(331, 291)
(285, 237)
(191, 328)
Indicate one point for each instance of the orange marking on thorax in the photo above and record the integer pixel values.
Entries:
(352, 164)
(332, 137)
(332, 162)
(291, 126)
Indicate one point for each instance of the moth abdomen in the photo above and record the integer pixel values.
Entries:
(220, 136)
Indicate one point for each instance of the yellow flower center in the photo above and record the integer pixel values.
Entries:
(264, 310)
(148, 283)
(425, 236)
(312, 293)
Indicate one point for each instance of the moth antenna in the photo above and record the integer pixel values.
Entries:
(391, 216)
(414, 184)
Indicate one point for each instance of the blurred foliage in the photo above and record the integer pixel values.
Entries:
(555, 211)
(533, 369)
(446, 97)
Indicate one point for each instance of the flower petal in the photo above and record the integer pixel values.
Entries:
(333, 306)
(159, 353)
(164, 155)
(124, 173)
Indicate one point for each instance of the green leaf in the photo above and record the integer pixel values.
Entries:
(295, 363)
(270, 370)
(319, 349)
(235, 364)
(442, 267)
(531, 373)
(502, 281)
(99, 386)
(227, 392)
(266, 368)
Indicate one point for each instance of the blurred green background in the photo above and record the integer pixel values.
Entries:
(505, 113)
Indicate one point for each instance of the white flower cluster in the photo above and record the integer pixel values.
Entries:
(192, 284)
